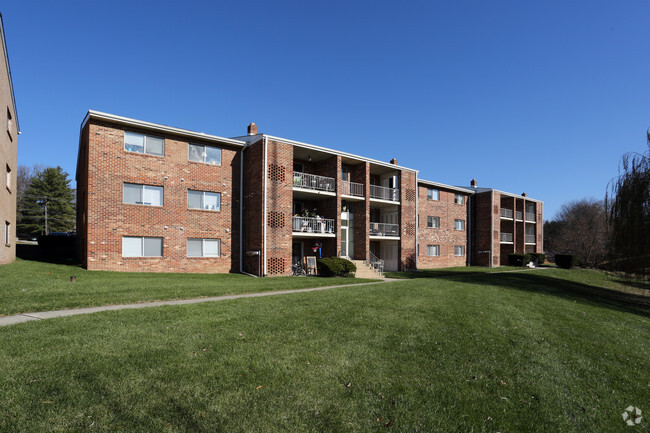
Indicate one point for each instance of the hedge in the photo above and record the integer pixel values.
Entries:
(541, 257)
(518, 259)
(566, 261)
(335, 267)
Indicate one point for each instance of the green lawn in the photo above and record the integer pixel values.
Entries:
(514, 352)
(27, 286)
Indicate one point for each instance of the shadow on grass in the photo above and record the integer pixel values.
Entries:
(37, 254)
(576, 291)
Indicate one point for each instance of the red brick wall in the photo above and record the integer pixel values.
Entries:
(108, 219)
(253, 220)
(482, 229)
(361, 174)
(445, 235)
(408, 212)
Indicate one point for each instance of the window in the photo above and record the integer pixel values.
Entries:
(459, 250)
(143, 194)
(141, 246)
(10, 124)
(7, 232)
(459, 199)
(203, 248)
(433, 194)
(433, 250)
(141, 143)
(459, 224)
(207, 154)
(8, 178)
(203, 200)
(299, 167)
(433, 222)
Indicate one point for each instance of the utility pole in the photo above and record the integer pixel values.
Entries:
(45, 204)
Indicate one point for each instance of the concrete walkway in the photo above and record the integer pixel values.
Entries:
(41, 315)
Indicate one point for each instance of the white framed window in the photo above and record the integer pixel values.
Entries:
(459, 199)
(8, 178)
(10, 124)
(459, 250)
(201, 153)
(141, 143)
(203, 200)
(433, 222)
(141, 246)
(433, 250)
(203, 247)
(7, 225)
(459, 224)
(433, 194)
(148, 195)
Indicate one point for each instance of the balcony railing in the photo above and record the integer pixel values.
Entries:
(384, 229)
(352, 188)
(313, 225)
(530, 239)
(530, 217)
(506, 213)
(384, 193)
(313, 181)
(519, 216)
(506, 237)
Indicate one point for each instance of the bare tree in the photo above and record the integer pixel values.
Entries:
(581, 228)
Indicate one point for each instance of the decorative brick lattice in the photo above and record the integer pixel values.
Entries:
(277, 173)
(410, 229)
(276, 219)
(410, 194)
(276, 265)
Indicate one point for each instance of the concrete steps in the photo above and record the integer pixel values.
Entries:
(366, 271)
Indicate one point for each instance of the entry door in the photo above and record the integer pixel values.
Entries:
(389, 255)
(296, 254)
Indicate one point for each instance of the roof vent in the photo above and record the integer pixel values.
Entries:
(393, 161)
(523, 194)
(252, 129)
(473, 183)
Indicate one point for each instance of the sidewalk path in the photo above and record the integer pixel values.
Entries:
(28, 317)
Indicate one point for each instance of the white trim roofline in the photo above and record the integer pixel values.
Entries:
(442, 185)
(11, 82)
(509, 194)
(92, 114)
(337, 152)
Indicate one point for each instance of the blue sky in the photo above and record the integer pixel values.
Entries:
(541, 97)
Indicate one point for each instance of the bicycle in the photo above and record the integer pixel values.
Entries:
(298, 270)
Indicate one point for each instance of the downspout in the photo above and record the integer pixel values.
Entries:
(266, 167)
(470, 202)
(241, 211)
(492, 231)
(417, 219)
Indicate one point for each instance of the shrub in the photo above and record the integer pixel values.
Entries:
(518, 259)
(335, 267)
(566, 261)
(541, 257)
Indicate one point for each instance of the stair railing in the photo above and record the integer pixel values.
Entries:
(376, 263)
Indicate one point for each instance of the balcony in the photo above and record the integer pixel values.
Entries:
(351, 188)
(312, 225)
(506, 238)
(529, 239)
(384, 229)
(506, 213)
(530, 217)
(384, 193)
(519, 216)
(313, 181)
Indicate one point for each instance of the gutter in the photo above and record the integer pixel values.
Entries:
(266, 168)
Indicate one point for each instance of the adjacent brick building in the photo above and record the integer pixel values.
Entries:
(156, 198)
(8, 152)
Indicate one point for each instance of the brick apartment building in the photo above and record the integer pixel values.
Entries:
(8, 152)
(155, 198)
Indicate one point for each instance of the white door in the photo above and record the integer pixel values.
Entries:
(388, 251)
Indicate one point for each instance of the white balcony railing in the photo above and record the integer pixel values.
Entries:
(313, 181)
(519, 216)
(506, 213)
(384, 193)
(351, 188)
(384, 229)
(530, 217)
(506, 237)
(530, 239)
(313, 225)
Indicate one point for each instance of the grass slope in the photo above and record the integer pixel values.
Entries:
(27, 286)
(486, 353)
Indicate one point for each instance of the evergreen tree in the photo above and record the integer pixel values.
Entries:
(48, 200)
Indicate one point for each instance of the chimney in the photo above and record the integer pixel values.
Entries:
(252, 129)
(473, 183)
(523, 194)
(393, 161)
